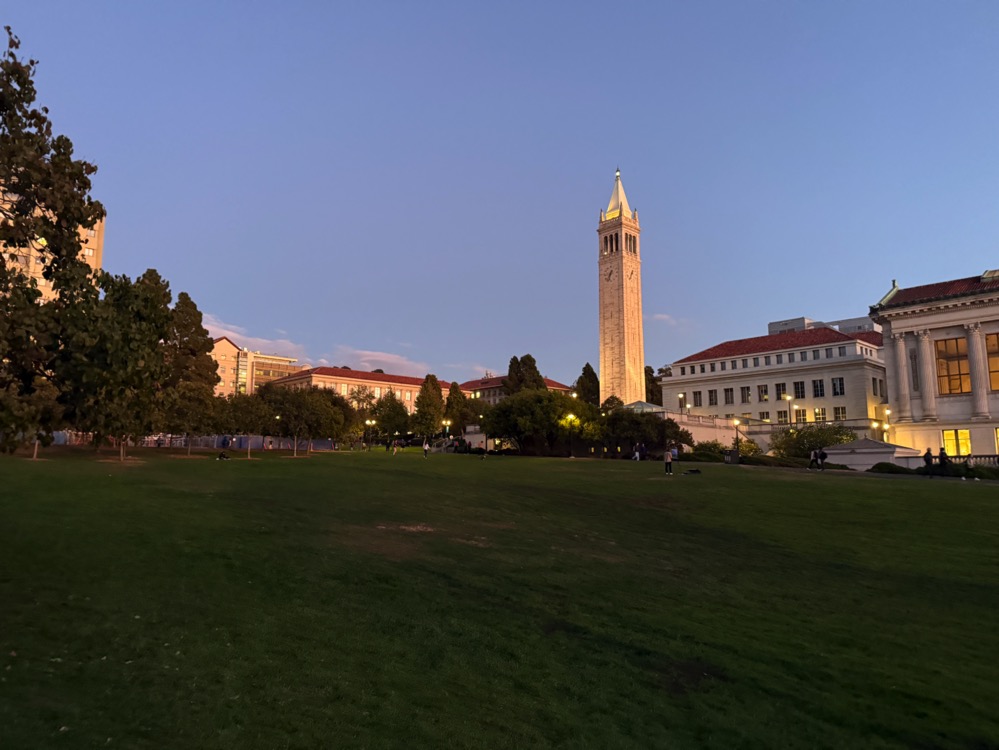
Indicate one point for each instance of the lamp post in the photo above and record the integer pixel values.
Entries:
(485, 438)
(447, 430)
(570, 418)
(736, 422)
(369, 423)
(874, 428)
(680, 398)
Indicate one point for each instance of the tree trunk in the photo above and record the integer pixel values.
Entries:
(247, 446)
(34, 456)
(295, 447)
(121, 449)
(189, 444)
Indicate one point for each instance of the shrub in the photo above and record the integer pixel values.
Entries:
(710, 446)
(886, 467)
(699, 456)
(779, 461)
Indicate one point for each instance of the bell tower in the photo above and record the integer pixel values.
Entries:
(622, 342)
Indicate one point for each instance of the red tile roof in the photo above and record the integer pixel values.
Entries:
(941, 290)
(380, 377)
(874, 338)
(809, 337)
(497, 382)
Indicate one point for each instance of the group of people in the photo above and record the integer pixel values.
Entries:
(817, 459)
(942, 460)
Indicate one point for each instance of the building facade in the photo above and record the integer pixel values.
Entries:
(942, 356)
(490, 389)
(619, 264)
(348, 383)
(31, 260)
(797, 377)
(243, 371)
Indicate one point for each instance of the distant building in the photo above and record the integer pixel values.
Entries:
(346, 382)
(490, 389)
(243, 371)
(801, 376)
(943, 363)
(31, 261)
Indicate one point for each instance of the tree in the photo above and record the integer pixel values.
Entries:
(799, 442)
(523, 375)
(611, 403)
(249, 415)
(587, 386)
(391, 415)
(513, 381)
(429, 407)
(653, 391)
(109, 372)
(533, 419)
(363, 398)
(458, 409)
(189, 389)
(45, 199)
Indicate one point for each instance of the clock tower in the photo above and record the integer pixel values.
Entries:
(622, 343)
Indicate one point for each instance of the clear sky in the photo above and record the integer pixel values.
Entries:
(416, 185)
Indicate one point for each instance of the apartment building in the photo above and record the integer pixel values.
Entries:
(244, 371)
(31, 261)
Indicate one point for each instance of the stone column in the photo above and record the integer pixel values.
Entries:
(927, 376)
(902, 381)
(978, 365)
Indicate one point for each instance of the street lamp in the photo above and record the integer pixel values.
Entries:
(680, 397)
(570, 418)
(369, 423)
(736, 422)
(447, 428)
(790, 416)
(485, 438)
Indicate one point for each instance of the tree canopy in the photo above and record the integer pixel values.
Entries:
(587, 386)
(429, 407)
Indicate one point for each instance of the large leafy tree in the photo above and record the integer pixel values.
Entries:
(189, 389)
(429, 407)
(44, 200)
(799, 442)
(110, 373)
(248, 414)
(587, 386)
(459, 410)
(391, 415)
(534, 419)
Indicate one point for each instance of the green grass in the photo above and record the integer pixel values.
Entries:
(365, 600)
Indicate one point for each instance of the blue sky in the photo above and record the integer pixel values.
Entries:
(416, 186)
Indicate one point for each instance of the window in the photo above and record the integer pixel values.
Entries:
(729, 395)
(914, 372)
(838, 387)
(756, 361)
(842, 351)
(745, 364)
(222, 370)
(713, 397)
(747, 415)
(957, 442)
(874, 386)
(735, 362)
(780, 389)
(723, 365)
(745, 392)
(780, 359)
(799, 388)
(683, 370)
(764, 416)
(829, 353)
(781, 416)
(839, 413)
(712, 367)
(697, 399)
(790, 357)
(820, 414)
(766, 361)
(953, 375)
(818, 388)
(378, 392)
(222, 357)
(992, 349)
(816, 353)
(761, 393)
(804, 356)
(800, 415)
(409, 395)
(881, 388)
(91, 232)
(343, 389)
(702, 369)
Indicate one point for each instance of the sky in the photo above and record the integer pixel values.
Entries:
(417, 186)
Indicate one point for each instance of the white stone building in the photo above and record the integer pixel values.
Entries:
(802, 376)
(942, 357)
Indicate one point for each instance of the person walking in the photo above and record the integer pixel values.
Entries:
(813, 460)
(928, 463)
(822, 459)
(668, 461)
(426, 447)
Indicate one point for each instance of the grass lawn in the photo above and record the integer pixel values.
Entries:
(366, 600)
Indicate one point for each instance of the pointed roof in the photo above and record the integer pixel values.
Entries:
(618, 205)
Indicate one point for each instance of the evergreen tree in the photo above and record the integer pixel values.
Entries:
(587, 386)
(458, 409)
(429, 407)
(531, 378)
(391, 415)
(653, 391)
(513, 382)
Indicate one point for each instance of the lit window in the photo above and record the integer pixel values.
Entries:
(992, 347)
(779, 390)
(762, 393)
(764, 416)
(801, 415)
(953, 373)
(957, 442)
(782, 416)
(820, 414)
(839, 413)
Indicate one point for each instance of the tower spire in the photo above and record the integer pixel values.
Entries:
(618, 204)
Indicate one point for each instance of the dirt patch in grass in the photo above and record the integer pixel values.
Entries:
(684, 676)
(475, 541)
(396, 542)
